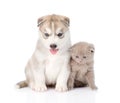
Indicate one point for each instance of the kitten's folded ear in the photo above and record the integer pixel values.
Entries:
(72, 48)
(91, 48)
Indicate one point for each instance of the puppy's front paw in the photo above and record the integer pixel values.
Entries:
(61, 88)
(39, 88)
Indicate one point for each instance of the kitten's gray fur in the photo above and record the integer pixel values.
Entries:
(82, 61)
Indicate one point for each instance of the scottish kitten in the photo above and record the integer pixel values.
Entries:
(82, 73)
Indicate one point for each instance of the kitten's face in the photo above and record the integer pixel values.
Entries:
(82, 52)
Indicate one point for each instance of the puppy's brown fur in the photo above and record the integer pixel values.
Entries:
(82, 73)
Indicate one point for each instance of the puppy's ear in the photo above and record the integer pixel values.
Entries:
(40, 21)
(91, 48)
(66, 21)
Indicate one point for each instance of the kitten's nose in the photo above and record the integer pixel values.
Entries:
(80, 60)
(53, 46)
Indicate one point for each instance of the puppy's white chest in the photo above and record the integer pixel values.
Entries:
(52, 69)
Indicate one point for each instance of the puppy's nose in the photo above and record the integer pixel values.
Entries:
(53, 46)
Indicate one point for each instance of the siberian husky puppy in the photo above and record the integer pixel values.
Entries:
(49, 64)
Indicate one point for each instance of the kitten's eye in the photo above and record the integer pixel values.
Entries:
(60, 34)
(46, 34)
(92, 51)
(84, 57)
(77, 56)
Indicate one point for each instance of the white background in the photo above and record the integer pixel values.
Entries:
(94, 21)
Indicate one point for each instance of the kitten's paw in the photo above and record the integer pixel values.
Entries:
(94, 87)
(70, 86)
(61, 88)
(39, 88)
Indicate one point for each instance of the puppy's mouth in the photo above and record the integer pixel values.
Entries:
(54, 51)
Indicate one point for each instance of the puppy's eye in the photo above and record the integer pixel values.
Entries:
(60, 34)
(84, 57)
(46, 34)
(77, 56)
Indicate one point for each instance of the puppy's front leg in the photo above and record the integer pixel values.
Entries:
(39, 79)
(61, 84)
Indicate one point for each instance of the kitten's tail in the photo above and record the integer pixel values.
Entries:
(21, 84)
